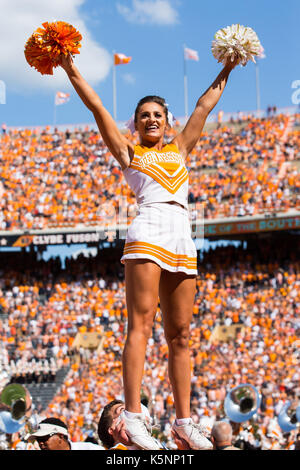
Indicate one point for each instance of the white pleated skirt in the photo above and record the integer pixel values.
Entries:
(161, 232)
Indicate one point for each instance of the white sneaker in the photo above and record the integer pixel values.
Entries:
(139, 433)
(193, 434)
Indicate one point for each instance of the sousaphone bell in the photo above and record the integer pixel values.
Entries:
(241, 403)
(15, 402)
(289, 417)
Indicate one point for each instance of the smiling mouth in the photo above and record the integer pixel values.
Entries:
(152, 128)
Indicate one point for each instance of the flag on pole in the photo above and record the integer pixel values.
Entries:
(120, 59)
(190, 54)
(61, 98)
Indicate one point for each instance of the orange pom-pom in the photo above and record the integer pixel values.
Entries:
(45, 46)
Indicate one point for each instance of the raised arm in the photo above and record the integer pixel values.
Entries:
(118, 145)
(190, 135)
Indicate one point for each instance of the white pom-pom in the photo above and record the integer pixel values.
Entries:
(236, 42)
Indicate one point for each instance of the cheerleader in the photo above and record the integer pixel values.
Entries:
(159, 254)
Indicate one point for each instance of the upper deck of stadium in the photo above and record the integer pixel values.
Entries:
(66, 178)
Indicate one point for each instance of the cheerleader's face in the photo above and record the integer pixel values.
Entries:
(151, 122)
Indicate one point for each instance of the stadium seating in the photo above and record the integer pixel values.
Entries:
(63, 179)
(252, 288)
(248, 287)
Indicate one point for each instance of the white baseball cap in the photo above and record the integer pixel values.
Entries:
(47, 429)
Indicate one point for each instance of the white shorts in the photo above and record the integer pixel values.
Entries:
(161, 232)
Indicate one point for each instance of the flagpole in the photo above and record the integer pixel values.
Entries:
(114, 89)
(185, 85)
(54, 114)
(257, 89)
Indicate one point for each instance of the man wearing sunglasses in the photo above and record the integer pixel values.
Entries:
(52, 434)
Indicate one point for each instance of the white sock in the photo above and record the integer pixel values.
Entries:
(131, 415)
(182, 421)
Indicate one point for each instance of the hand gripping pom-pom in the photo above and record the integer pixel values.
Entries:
(45, 46)
(236, 42)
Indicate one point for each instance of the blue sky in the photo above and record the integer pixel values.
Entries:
(152, 32)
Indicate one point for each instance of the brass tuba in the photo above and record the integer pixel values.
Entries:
(15, 403)
(241, 403)
(289, 417)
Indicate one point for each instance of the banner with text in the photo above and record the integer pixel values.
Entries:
(208, 229)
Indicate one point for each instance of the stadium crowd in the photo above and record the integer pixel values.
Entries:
(68, 178)
(44, 306)
(65, 178)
